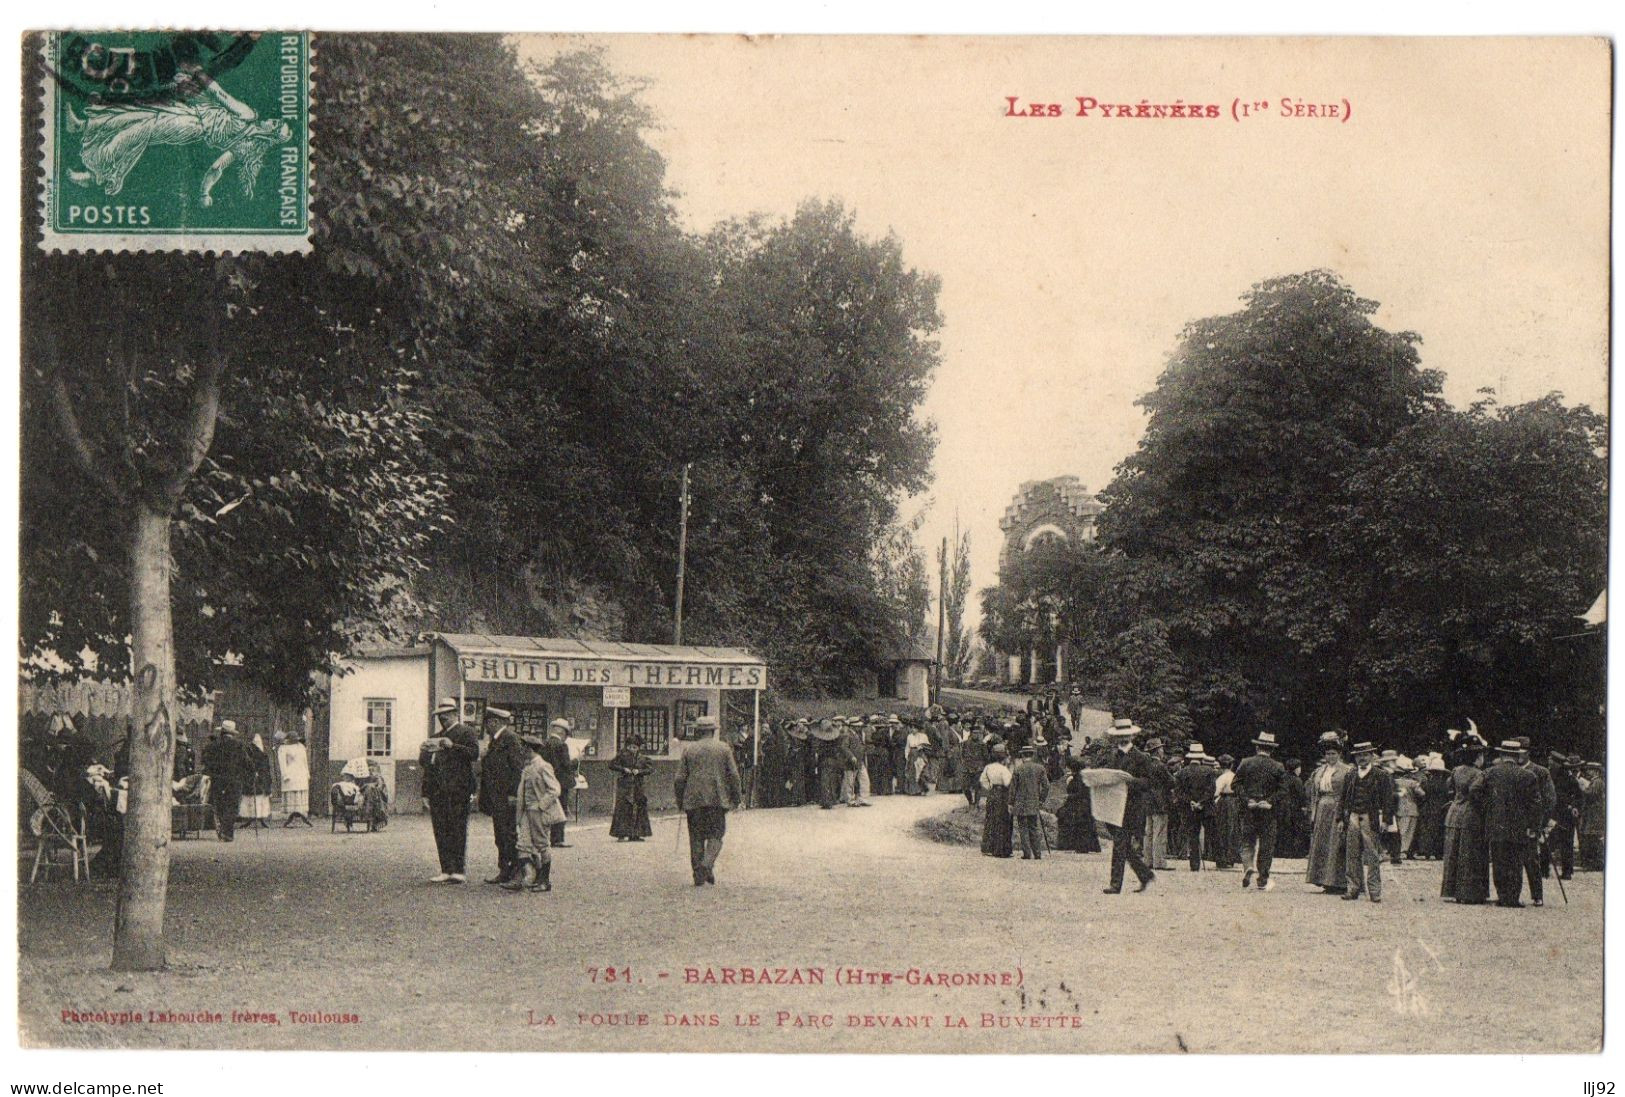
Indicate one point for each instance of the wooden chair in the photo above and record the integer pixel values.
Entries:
(54, 825)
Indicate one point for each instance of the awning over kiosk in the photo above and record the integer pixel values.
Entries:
(551, 661)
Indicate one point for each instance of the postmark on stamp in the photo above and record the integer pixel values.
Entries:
(172, 140)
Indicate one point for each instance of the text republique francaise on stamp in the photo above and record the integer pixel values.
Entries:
(190, 141)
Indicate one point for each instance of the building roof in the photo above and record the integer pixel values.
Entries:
(556, 647)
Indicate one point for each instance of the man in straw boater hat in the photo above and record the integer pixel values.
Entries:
(1367, 810)
(1143, 777)
(707, 787)
(537, 809)
(447, 760)
(1260, 782)
(505, 759)
(1514, 819)
(1194, 791)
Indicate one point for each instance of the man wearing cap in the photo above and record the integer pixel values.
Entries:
(1367, 811)
(707, 787)
(1259, 783)
(1144, 774)
(505, 759)
(557, 753)
(1514, 819)
(1194, 792)
(448, 761)
(1029, 786)
(536, 810)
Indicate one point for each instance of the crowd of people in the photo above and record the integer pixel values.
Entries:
(236, 780)
(1490, 825)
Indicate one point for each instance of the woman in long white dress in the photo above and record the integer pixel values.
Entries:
(293, 767)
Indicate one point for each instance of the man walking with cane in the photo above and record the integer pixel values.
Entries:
(707, 787)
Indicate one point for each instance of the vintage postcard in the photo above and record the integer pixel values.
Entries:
(954, 545)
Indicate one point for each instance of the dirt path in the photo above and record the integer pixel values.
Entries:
(344, 925)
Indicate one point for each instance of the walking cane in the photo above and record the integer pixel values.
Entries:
(678, 845)
(1557, 871)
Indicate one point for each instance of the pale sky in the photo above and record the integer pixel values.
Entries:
(1468, 193)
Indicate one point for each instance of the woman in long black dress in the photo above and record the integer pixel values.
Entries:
(631, 819)
(1466, 876)
(1436, 799)
(996, 824)
(1075, 821)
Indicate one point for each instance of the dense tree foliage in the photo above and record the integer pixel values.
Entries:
(484, 380)
(1325, 541)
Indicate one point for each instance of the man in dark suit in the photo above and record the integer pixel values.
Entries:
(448, 761)
(1514, 817)
(1368, 808)
(557, 754)
(1145, 774)
(1561, 837)
(226, 762)
(1194, 792)
(1029, 785)
(973, 756)
(1259, 782)
(707, 788)
(506, 757)
(1540, 858)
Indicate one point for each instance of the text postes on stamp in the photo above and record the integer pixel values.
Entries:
(192, 141)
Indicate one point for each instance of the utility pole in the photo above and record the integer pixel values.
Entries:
(942, 608)
(682, 553)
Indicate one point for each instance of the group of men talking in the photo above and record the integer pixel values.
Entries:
(522, 782)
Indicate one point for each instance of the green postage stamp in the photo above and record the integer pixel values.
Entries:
(176, 140)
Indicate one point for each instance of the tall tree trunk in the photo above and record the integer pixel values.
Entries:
(138, 927)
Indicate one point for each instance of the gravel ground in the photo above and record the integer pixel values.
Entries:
(301, 922)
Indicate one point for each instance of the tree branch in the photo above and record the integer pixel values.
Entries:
(79, 447)
(199, 434)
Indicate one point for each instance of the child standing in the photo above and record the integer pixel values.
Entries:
(536, 809)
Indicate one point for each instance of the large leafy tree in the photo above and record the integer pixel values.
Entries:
(1225, 516)
(1476, 538)
(226, 455)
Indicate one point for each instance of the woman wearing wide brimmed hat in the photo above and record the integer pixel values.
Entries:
(1325, 787)
(1466, 876)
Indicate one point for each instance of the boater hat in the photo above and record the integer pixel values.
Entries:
(1510, 747)
(1265, 739)
(1363, 748)
(1194, 751)
(1123, 729)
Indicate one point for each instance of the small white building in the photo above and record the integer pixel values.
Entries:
(612, 693)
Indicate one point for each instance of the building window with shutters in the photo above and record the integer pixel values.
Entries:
(380, 727)
(648, 727)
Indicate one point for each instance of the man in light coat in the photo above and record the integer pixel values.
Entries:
(537, 810)
(707, 787)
